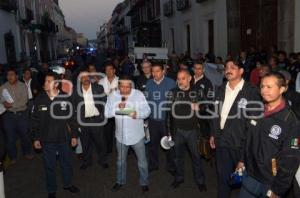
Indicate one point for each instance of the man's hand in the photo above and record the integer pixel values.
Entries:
(195, 106)
(122, 105)
(7, 105)
(212, 142)
(239, 166)
(133, 115)
(273, 195)
(74, 142)
(37, 145)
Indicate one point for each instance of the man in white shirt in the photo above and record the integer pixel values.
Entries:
(91, 103)
(110, 84)
(110, 81)
(129, 129)
(32, 86)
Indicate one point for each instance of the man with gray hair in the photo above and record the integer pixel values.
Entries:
(182, 123)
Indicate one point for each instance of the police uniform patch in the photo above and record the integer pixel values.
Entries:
(253, 122)
(63, 106)
(242, 103)
(275, 132)
(42, 108)
(295, 142)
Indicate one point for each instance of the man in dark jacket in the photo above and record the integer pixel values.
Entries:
(228, 132)
(200, 81)
(272, 145)
(53, 128)
(291, 96)
(142, 79)
(184, 128)
(90, 100)
(203, 85)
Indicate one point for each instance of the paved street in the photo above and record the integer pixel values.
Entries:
(26, 179)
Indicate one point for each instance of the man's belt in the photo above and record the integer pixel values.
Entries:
(16, 112)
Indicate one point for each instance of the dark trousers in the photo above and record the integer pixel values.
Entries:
(157, 130)
(17, 124)
(50, 151)
(226, 161)
(189, 138)
(2, 144)
(109, 131)
(93, 136)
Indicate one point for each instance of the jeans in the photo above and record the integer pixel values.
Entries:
(17, 124)
(189, 138)
(49, 154)
(139, 149)
(251, 188)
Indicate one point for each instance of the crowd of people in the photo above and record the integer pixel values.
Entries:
(251, 120)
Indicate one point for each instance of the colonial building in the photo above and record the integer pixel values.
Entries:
(228, 26)
(31, 31)
(10, 44)
(133, 23)
(102, 40)
(194, 26)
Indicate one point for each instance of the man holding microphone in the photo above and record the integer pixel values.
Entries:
(129, 108)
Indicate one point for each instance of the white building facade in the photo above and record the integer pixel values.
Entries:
(195, 26)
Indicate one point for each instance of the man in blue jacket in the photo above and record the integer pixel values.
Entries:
(157, 90)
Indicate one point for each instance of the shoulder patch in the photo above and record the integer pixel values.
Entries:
(275, 132)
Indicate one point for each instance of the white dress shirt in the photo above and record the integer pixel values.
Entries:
(129, 131)
(90, 109)
(230, 95)
(28, 85)
(109, 87)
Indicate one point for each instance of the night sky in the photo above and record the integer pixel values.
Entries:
(85, 16)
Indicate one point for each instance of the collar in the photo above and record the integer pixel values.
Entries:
(276, 110)
(52, 97)
(89, 89)
(238, 87)
(114, 79)
(27, 82)
(197, 79)
(158, 82)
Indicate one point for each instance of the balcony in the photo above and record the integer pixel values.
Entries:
(29, 15)
(135, 21)
(121, 29)
(168, 8)
(182, 4)
(49, 26)
(8, 5)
